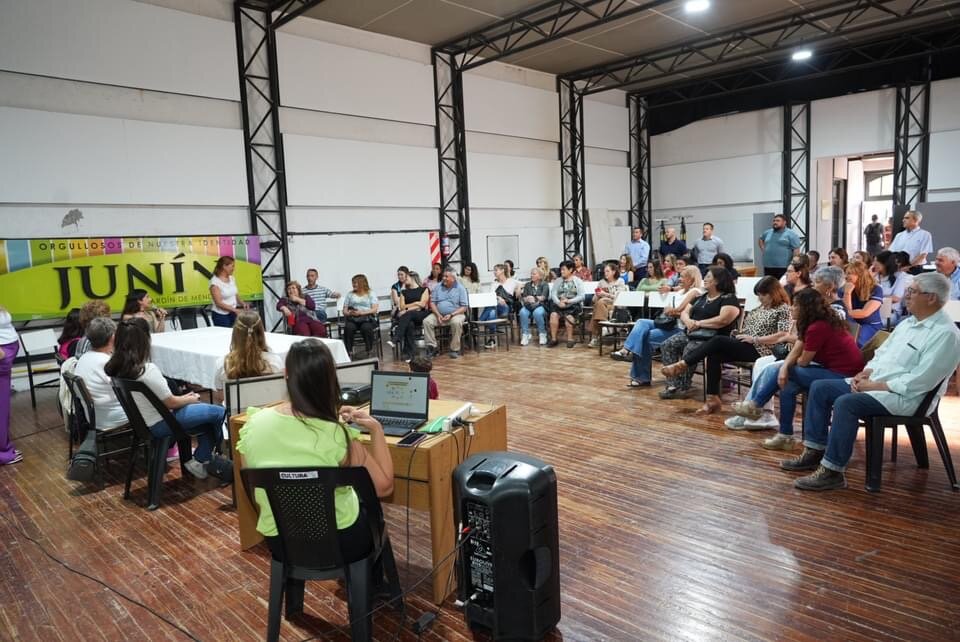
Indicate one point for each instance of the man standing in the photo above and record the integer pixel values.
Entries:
(639, 251)
(948, 264)
(914, 241)
(778, 245)
(707, 248)
(319, 294)
(448, 303)
(672, 245)
(923, 351)
(874, 234)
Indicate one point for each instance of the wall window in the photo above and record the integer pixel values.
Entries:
(879, 186)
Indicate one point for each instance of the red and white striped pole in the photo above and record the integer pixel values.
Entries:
(434, 244)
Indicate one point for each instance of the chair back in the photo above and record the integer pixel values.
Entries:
(340, 303)
(745, 285)
(240, 394)
(926, 407)
(39, 342)
(589, 287)
(657, 300)
(125, 389)
(952, 308)
(886, 309)
(187, 317)
(82, 401)
(629, 299)
(302, 502)
(482, 300)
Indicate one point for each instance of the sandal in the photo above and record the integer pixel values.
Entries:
(709, 407)
(674, 369)
(622, 355)
(638, 384)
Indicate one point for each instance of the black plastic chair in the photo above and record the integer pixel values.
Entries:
(924, 416)
(186, 318)
(302, 502)
(83, 404)
(156, 447)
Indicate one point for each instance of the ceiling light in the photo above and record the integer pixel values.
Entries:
(696, 6)
(802, 54)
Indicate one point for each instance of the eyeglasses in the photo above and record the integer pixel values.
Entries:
(915, 290)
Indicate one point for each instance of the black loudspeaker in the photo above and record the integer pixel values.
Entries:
(509, 569)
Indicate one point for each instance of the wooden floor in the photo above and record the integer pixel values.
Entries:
(671, 528)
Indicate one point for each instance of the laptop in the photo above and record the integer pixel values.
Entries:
(400, 401)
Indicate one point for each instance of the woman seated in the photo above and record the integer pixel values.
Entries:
(654, 279)
(544, 265)
(603, 299)
(131, 360)
(669, 267)
(360, 308)
(70, 334)
(673, 282)
(862, 298)
(837, 258)
(139, 304)
(249, 355)
(626, 269)
(505, 287)
(893, 282)
(533, 298)
(763, 329)
(296, 308)
(862, 257)
(414, 308)
(566, 301)
(725, 261)
(712, 314)
(797, 276)
(436, 276)
(470, 278)
(580, 270)
(649, 333)
(824, 350)
(310, 430)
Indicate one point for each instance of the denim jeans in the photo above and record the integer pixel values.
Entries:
(223, 320)
(539, 317)
(799, 381)
(640, 342)
(489, 314)
(201, 420)
(848, 408)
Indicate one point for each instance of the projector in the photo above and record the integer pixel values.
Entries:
(356, 395)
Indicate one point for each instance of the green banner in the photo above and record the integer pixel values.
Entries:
(46, 278)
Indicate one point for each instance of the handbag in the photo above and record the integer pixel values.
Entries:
(621, 315)
(221, 468)
(664, 322)
(780, 351)
(702, 334)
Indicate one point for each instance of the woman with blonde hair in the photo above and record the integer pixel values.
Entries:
(249, 355)
(544, 265)
(626, 268)
(296, 308)
(360, 308)
(862, 297)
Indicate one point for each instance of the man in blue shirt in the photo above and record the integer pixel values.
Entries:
(922, 352)
(914, 241)
(448, 303)
(948, 264)
(778, 245)
(639, 251)
(672, 245)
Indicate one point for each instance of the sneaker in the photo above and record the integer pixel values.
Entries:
(766, 421)
(621, 355)
(674, 393)
(174, 453)
(594, 342)
(747, 409)
(454, 354)
(779, 441)
(809, 459)
(735, 422)
(491, 343)
(196, 469)
(822, 479)
(432, 351)
(17, 458)
(543, 339)
(571, 344)
(390, 342)
(525, 339)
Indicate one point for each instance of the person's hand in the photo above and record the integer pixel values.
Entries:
(161, 313)
(445, 318)
(286, 311)
(350, 414)
(664, 289)
(747, 338)
(501, 301)
(783, 376)
(690, 324)
(335, 295)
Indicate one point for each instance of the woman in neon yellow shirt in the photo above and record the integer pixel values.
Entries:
(310, 430)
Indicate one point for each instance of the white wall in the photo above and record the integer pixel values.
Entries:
(943, 182)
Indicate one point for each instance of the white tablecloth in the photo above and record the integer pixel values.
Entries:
(191, 355)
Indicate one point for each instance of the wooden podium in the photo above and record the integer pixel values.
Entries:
(425, 483)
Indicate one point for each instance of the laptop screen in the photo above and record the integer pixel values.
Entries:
(399, 393)
(356, 373)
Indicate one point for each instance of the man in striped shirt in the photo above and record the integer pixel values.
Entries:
(319, 294)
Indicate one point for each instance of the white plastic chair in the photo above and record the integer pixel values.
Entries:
(37, 345)
(628, 299)
(240, 394)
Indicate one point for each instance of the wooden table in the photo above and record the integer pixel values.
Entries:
(428, 486)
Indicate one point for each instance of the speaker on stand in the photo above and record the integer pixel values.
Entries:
(509, 569)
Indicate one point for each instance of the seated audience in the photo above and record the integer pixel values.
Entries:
(862, 298)
(860, 256)
(510, 268)
(319, 294)
(70, 335)
(107, 410)
(654, 279)
(424, 364)
(396, 288)
(580, 270)
(298, 308)
(249, 355)
(725, 261)
(948, 264)
(449, 305)
(544, 265)
(649, 333)
(470, 278)
(505, 287)
(566, 302)
(310, 430)
(360, 307)
(603, 299)
(89, 311)
(814, 260)
(714, 313)
(824, 350)
(414, 308)
(921, 354)
(669, 267)
(534, 298)
(893, 282)
(763, 329)
(139, 304)
(673, 282)
(797, 276)
(436, 276)
(131, 360)
(837, 257)
(626, 269)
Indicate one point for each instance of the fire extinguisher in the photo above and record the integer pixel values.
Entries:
(445, 245)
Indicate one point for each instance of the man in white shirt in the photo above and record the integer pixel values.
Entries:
(920, 354)
(107, 410)
(639, 252)
(948, 264)
(914, 241)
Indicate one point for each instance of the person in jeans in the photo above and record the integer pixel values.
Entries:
(131, 360)
(224, 293)
(449, 304)
(778, 245)
(533, 296)
(824, 350)
(360, 307)
(505, 287)
(862, 298)
(920, 354)
(319, 294)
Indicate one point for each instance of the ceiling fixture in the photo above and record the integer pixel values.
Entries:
(802, 54)
(696, 6)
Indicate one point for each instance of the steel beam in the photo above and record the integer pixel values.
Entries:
(796, 168)
(912, 142)
(641, 202)
(572, 169)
